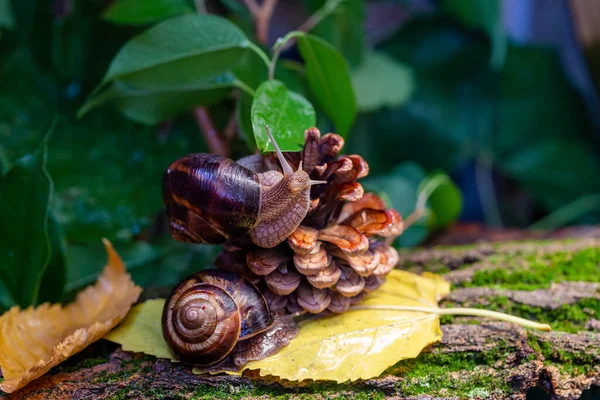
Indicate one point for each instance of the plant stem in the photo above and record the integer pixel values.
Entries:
(318, 16)
(278, 48)
(260, 53)
(288, 40)
(231, 127)
(211, 135)
(244, 86)
(414, 217)
(476, 312)
(487, 193)
(424, 194)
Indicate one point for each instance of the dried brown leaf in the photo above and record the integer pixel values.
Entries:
(34, 340)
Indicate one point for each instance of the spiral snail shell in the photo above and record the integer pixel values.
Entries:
(210, 199)
(209, 312)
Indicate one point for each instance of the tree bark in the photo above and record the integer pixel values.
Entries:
(556, 282)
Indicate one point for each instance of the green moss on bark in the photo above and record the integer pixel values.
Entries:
(533, 271)
(461, 374)
(311, 391)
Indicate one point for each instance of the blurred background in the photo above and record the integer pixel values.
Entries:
(500, 95)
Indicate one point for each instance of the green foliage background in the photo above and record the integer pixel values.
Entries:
(96, 97)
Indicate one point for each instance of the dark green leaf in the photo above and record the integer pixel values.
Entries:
(450, 110)
(55, 275)
(236, 7)
(292, 74)
(286, 113)
(444, 202)
(539, 142)
(252, 71)
(180, 51)
(150, 264)
(25, 192)
(107, 169)
(343, 26)
(7, 19)
(155, 105)
(485, 15)
(108, 172)
(135, 12)
(380, 81)
(556, 171)
(4, 161)
(329, 80)
(244, 120)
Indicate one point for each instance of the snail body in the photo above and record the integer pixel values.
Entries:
(210, 199)
(208, 313)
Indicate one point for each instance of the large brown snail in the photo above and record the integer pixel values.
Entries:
(208, 313)
(210, 199)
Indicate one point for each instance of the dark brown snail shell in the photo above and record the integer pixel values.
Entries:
(209, 312)
(210, 199)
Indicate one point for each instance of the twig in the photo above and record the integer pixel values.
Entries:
(319, 15)
(229, 131)
(211, 135)
(264, 21)
(414, 217)
(314, 20)
(262, 17)
(252, 6)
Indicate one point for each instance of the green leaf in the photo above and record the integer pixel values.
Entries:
(380, 81)
(252, 71)
(25, 193)
(108, 172)
(160, 264)
(135, 12)
(328, 77)
(343, 26)
(444, 199)
(55, 275)
(485, 15)
(292, 74)
(286, 113)
(7, 20)
(155, 105)
(179, 51)
(236, 7)
(244, 120)
(540, 141)
(556, 171)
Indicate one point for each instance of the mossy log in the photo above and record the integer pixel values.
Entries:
(557, 282)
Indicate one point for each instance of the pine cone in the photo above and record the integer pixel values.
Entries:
(339, 252)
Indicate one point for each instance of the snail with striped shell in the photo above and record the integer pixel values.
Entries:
(208, 313)
(210, 199)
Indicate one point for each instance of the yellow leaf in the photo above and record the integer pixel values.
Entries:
(141, 331)
(359, 344)
(34, 340)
